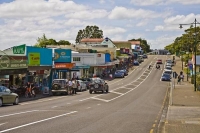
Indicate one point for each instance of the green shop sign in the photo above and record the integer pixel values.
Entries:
(7, 62)
(19, 49)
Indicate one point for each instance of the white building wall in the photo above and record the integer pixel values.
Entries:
(89, 58)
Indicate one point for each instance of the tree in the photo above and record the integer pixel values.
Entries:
(143, 44)
(63, 42)
(89, 32)
(43, 41)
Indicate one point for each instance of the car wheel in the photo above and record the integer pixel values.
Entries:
(90, 91)
(16, 102)
(1, 102)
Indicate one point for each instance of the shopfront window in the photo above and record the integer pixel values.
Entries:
(76, 58)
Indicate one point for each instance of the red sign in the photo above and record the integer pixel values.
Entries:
(64, 65)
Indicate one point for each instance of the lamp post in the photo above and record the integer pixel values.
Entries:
(187, 63)
(194, 48)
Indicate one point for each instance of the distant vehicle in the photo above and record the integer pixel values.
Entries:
(159, 61)
(86, 81)
(98, 84)
(136, 63)
(7, 96)
(59, 86)
(168, 53)
(124, 71)
(145, 56)
(167, 71)
(119, 74)
(81, 85)
(168, 68)
(166, 77)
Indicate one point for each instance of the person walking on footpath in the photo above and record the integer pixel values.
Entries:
(70, 87)
(179, 79)
(74, 86)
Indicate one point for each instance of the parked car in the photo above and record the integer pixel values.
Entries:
(167, 71)
(145, 56)
(159, 61)
(136, 63)
(98, 84)
(119, 74)
(166, 77)
(81, 85)
(7, 96)
(86, 81)
(168, 67)
(124, 71)
(59, 86)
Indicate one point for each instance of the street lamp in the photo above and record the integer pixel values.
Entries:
(187, 63)
(194, 48)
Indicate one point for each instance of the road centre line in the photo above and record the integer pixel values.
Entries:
(117, 92)
(131, 89)
(28, 124)
(95, 97)
(18, 113)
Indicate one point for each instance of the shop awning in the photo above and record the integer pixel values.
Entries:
(81, 67)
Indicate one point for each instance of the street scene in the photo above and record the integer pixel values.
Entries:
(104, 66)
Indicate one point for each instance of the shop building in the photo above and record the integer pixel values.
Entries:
(62, 65)
(39, 66)
(13, 62)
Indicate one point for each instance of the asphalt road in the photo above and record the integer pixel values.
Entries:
(133, 105)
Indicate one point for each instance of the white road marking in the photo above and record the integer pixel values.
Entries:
(68, 103)
(116, 92)
(3, 123)
(28, 124)
(39, 101)
(100, 99)
(98, 104)
(88, 107)
(18, 113)
(54, 106)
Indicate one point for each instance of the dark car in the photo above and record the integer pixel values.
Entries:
(119, 74)
(136, 63)
(59, 86)
(98, 84)
(144, 56)
(166, 77)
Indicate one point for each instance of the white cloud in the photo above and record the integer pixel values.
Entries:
(26, 8)
(89, 14)
(101, 1)
(172, 23)
(125, 13)
(110, 31)
(163, 2)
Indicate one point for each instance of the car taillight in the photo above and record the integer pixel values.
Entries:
(78, 84)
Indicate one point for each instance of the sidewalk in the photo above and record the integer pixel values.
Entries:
(183, 116)
(38, 96)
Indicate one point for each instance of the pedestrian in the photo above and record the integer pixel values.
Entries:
(74, 86)
(182, 77)
(70, 87)
(33, 90)
(179, 80)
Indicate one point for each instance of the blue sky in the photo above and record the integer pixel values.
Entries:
(157, 21)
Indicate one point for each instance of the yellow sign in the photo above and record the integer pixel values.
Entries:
(34, 59)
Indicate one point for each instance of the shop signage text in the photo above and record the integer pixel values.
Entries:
(8, 63)
(34, 59)
(65, 65)
(19, 49)
(62, 55)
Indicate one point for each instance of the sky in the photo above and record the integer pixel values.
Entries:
(157, 21)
